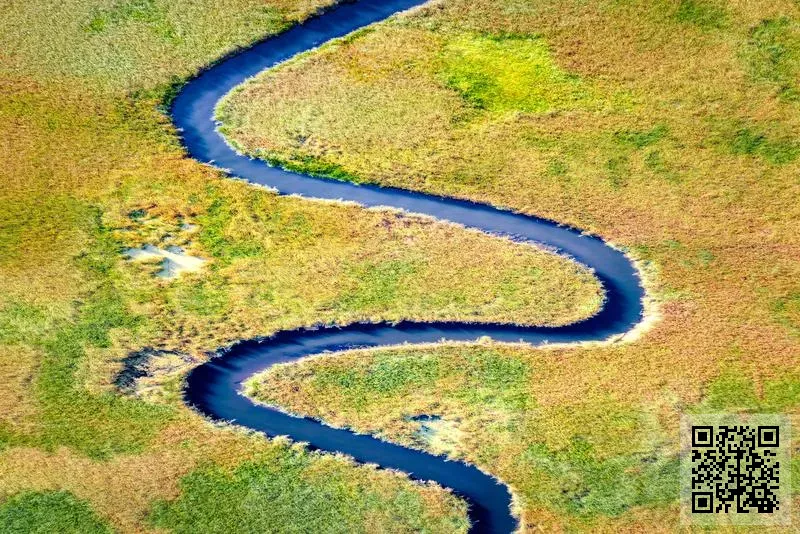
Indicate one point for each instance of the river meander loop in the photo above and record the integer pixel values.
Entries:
(214, 387)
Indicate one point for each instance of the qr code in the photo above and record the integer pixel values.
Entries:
(736, 469)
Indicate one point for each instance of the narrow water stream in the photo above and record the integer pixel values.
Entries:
(214, 388)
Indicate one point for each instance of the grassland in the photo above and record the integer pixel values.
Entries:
(92, 167)
(670, 128)
(49, 512)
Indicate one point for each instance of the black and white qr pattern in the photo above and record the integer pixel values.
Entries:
(735, 469)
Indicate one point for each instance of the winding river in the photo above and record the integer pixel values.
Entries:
(214, 387)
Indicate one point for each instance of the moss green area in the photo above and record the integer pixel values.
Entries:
(702, 13)
(772, 54)
(377, 283)
(311, 165)
(734, 391)
(99, 425)
(641, 138)
(507, 73)
(575, 482)
(747, 142)
(489, 378)
(267, 496)
(104, 424)
(148, 13)
(213, 236)
(786, 311)
(43, 513)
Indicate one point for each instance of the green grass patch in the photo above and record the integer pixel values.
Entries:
(701, 13)
(387, 375)
(509, 74)
(484, 378)
(99, 425)
(618, 170)
(786, 311)
(311, 165)
(492, 379)
(205, 298)
(151, 13)
(748, 141)
(639, 139)
(557, 167)
(391, 372)
(22, 322)
(624, 148)
(575, 481)
(104, 424)
(585, 460)
(44, 513)
(733, 390)
(705, 257)
(772, 55)
(216, 235)
(293, 491)
(657, 164)
(376, 284)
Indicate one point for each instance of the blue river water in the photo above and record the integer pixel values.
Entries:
(214, 387)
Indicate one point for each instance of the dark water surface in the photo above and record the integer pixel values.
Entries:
(213, 388)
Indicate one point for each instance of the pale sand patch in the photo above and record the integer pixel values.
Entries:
(440, 435)
(174, 260)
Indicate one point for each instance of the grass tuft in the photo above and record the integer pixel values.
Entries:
(311, 165)
(150, 13)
